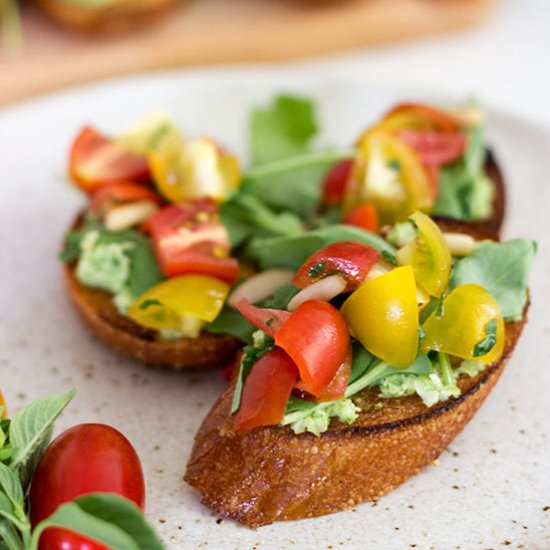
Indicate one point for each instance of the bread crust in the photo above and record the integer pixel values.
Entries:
(119, 17)
(128, 338)
(271, 474)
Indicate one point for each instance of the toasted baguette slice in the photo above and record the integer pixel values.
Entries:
(129, 338)
(271, 474)
(113, 18)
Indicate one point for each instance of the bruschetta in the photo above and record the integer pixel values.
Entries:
(354, 385)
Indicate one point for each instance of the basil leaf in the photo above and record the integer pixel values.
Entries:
(31, 431)
(282, 129)
(108, 518)
(11, 487)
(291, 252)
(9, 538)
(502, 269)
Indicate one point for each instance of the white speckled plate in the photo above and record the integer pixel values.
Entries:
(490, 488)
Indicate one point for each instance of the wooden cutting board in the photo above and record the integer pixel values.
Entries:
(217, 31)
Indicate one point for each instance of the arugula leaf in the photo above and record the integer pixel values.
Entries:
(108, 518)
(292, 185)
(281, 297)
(31, 430)
(245, 216)
(291, 252)
(465, 192)
(282, 129)
(230, 321)
(252, 354)
(502, 269)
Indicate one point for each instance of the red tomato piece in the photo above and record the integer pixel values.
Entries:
(268, 320)
(122, 192)
(351, 260)
(339, 383)
(335, 182)
(84, 459)
(434, 148)
(96, 161)
(55, 538)
(189, 238)
(422, 114)
(364, 216)
(337, 386)
(316, 337)
(266, 391)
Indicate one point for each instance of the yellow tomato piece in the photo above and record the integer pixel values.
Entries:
(470, 323)
(383, 315)
(170, 305)
(193, 169)
(429, 256)
(388, 174)
(3, 404)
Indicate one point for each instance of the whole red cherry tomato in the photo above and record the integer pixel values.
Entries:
(84, 459)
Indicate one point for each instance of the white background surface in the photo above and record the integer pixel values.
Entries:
(492, 485)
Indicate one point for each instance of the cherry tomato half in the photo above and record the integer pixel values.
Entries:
(84, 459)
(383, 316)
(418, 116)
(122, 192)
(388, 174)
(96, 161)
(349, 259)
(364, 216)
(189, 238)
(266, 391)
(268, 320)
(316, 338)
(335, 182)
(434, 148)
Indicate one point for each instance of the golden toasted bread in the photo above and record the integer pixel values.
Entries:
(145, 345)
(271, 474)
(115, 17)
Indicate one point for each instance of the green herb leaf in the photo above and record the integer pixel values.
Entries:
(148, 303)
(246, 215)
(502, 269)
(465, 192)
(31, 431)
(282, 129)
(281, 297)
(107, 518)
(389, 257)
(291, 252)
(317, 269)
(251, 355)
(230, 321)
(488, 343)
